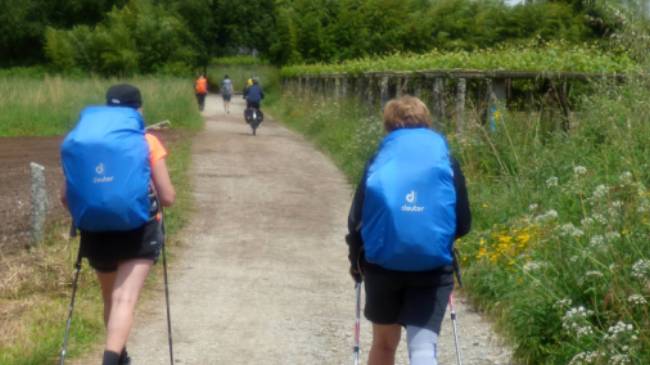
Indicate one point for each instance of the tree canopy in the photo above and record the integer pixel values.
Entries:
(115, 36)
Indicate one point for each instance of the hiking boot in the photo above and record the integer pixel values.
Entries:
(125, 359)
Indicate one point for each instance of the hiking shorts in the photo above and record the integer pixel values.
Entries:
(407, 298)
(226, 97)
(105, 250)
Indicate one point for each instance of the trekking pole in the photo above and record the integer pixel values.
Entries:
(73, 233)
(169, 320)
(452, 310)
(357, 324)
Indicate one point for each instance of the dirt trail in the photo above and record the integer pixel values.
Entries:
(262, 276)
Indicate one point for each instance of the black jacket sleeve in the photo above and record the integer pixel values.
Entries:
(353, 238)
(463, 213)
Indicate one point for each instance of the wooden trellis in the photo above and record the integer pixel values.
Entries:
(375, 88)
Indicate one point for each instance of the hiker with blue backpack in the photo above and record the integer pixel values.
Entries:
(116, 185)
(408, 209)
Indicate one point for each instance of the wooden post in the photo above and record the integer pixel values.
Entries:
(399, 89)
(461, 88)
(337, 87)
(370, 101)
(417, 88)
(384, 90)
(403, 86)
(39, 203)
(439, 100)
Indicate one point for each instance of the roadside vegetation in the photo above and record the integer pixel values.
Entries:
(558, 253)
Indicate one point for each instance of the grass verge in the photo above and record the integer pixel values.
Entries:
(559, 253)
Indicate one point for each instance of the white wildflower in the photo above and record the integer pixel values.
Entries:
(532, 207)
(620, 332)
(552, 181)
(637, 299)
(626, 177)
(579, 170)
(563, 303)
(570, 230)
(533, 266)
(576, 321)
(641, 269)
(547, 216)
(597, 240)
(600, 191)
(617, 204)
(612, 236)
(584, 358)
(620, 359)
(599, 218)
(586, 222)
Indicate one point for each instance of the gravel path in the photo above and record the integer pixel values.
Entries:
(262, 276)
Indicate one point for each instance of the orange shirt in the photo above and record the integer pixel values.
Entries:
(156, 150)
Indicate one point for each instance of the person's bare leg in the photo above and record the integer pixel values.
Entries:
(129, 281)
(385, 339)
(106, 282)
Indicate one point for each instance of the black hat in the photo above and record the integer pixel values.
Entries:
(124, 95)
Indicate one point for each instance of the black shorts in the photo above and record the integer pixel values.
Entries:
(407, 298)
(105, 250)
(226, 97)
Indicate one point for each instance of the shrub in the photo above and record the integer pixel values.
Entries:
(139, 38)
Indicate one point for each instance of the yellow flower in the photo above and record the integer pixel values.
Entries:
(523, 239)
(494, 258)
(505, 239)
(482, 252)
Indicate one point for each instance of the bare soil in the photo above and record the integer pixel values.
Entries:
(15, 186)
(261, 277)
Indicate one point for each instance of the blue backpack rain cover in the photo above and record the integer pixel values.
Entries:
(105, 160)
(409, 211)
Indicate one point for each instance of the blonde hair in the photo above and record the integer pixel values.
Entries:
(406, 112)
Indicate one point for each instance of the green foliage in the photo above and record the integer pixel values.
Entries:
(241, 60)
(23, 24)
(138, 38)
(50, 105)
(552, 57)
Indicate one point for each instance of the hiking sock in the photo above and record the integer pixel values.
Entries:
(111, 358)
(421, 345)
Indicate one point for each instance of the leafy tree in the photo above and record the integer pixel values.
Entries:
(138, 38)
(23, 24)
